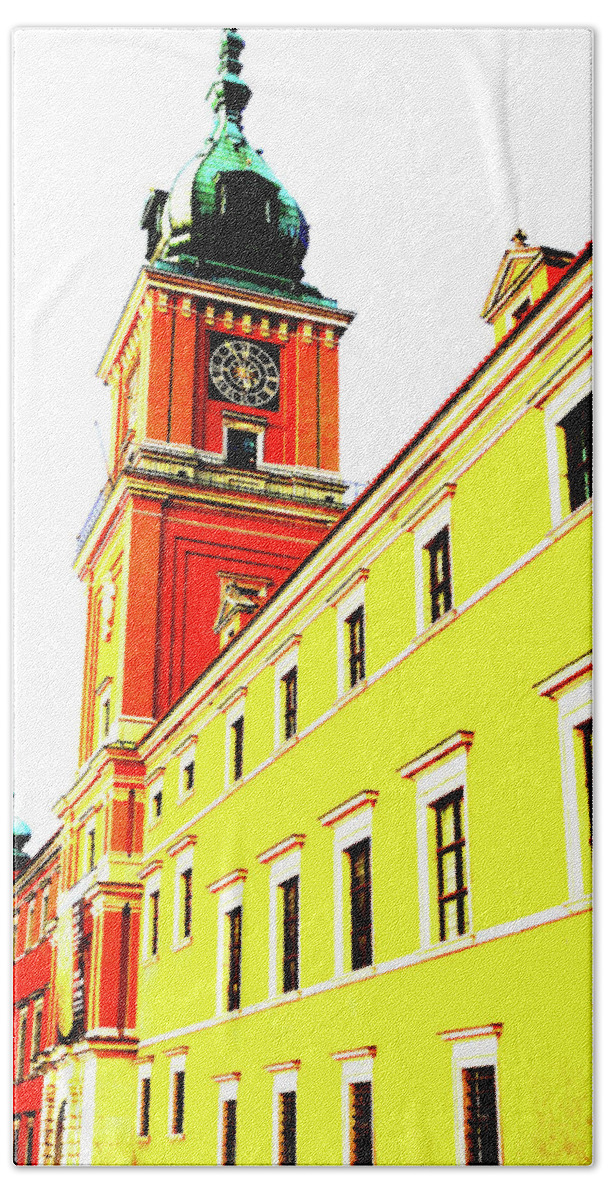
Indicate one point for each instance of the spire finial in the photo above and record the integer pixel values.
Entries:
(227, 92)
(520, 239)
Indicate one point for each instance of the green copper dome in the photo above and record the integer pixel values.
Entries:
(227, 216)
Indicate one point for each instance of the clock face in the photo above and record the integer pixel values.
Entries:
(244, 372)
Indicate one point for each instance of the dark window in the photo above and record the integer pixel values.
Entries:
(361, 1150)
(480, 1120)
(440, 585)
(158, 804)
(229, 1133)
(585, 732)
(577, 432)
(21, 1045)
(106, 718)
(356, 645)
(29, 1145)
(520, 312)
(360, 904)
(290, 692)
(144, 1111)
(291, 921)
(189, 776)
(187, 878)
(91, 853)
(179, 1087)
(242, 451)
(287, 1129)
(16, 1124)
(154, 906)
(238, 738)
(44, 912)
(451, 887)
(36, 1033)
(234, 958)
(59, 1131)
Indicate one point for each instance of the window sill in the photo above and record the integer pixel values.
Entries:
(571, 519)
(184, 797)
(580, 904)
(438, 948)
(182, 945)
(430, 630)
(152, 958)
(360, 972)
(176, 1137)
(144, 1139)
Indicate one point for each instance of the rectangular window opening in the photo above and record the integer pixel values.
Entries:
(158, 804)
(585, 733)
(291, 931)
(144, 1107)
(29, 1145)
(440, 579)
(90, 849)
(361, 1146)
(360, 904)
(450, 847)
(235, 918)
(229, 1133)
(290, 702)
(187, 902)
(154, 910)
(577, 433)
(238, 739)
(287, 1129)
(179, 1085)
(356, 645)
(480, 1116)
(189, 776)
(242, 449)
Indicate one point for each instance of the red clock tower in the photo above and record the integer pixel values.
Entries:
(224, 477)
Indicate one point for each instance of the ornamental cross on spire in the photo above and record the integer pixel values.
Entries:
(520, 239)
(228, 92)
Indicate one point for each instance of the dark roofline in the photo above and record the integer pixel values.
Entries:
(402, 454)
(34, 861)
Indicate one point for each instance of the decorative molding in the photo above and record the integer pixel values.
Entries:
(182, 844)
(352, 581)
(350, 806)
(151, 869)
(554, 684)
(478, 1031)
(294, 842)
(461, 740)
(445, 492)
(227, 880)
(175, 1051)
(288, 643)
(293, 1065)
(360, 1052)
(229, 1077)
(232, 698)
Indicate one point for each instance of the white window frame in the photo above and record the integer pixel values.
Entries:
(440, 771)
(152, 884)
(105, 696)
(554, 412)
(155, 785)
(229, 891)
(425, 523)
(245, 424)
(283, 665)
(90, 828)
(38, 1007)
(177, 1062)
(20, 1064)
(284, 1079)
(574, 706)
(357, 1067)
(29, 923)
(44, 910)
(344, 609)
(285, 862)
(144, 1071)
(233, 713)
(184, 861)
(186, 759)
(228, 1090)
(476, 1047)
(351, 823)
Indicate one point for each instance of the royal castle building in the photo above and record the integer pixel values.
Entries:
(325, 868)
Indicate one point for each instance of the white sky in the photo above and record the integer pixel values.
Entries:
(414, 154)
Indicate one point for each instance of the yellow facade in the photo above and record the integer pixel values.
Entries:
(517, 981)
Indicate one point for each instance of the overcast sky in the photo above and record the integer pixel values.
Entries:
(414, 154)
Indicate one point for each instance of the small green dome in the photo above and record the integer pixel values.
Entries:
(227, 214)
